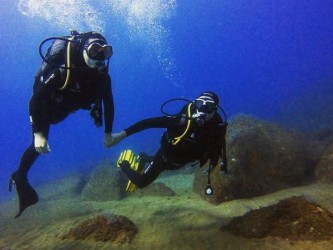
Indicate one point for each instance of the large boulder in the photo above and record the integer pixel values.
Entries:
(295, 219)
(106, 182)
(263, 157)
(66, 187)
(104, 227)
(324, 168)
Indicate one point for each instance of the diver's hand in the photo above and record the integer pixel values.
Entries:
(41, 144)
(224, 168)
(113, 139)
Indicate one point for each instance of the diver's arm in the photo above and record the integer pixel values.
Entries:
(156, 122)
(224, 162)
(39, 100)
(217, 146)
(108, 104)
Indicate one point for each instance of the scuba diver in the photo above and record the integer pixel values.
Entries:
(195, 134)
(73, 76)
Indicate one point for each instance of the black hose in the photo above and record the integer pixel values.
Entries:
(170, 100)
(43, 57)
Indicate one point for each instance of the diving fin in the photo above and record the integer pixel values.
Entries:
(26, 194)
(131, 187)
(133, 161)
(126, 155)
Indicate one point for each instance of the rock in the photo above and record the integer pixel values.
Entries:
(263, 158)
(324, 168)
(66, 187)
(294, 219)
(324, 135)
(106, 182)
(114, 228)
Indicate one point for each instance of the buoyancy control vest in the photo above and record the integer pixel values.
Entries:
(188, 143)
(65, 55)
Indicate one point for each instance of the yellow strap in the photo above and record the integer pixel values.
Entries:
(68, 63)
(177, 139)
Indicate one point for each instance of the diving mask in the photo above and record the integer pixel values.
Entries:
(98, 50)
(93, 64)
(205, 106)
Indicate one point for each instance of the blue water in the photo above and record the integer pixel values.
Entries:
(269, 59)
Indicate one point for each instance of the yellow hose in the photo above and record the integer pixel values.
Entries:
(177, 139)
(68, 63)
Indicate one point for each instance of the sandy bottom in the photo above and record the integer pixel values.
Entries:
(183, 221)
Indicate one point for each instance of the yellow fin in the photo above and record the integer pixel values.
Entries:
(127, 155)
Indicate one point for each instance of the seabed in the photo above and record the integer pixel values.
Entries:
(183, 221)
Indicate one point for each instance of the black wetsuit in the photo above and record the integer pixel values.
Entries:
(50, 105)
(201, 143)
(56, 95)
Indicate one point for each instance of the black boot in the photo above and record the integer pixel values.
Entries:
(26, 194)
(144, 158)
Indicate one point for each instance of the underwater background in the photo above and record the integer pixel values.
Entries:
(268, 59)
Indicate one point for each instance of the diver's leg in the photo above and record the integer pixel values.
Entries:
(28, 158)
(150, 174)
(144, 158)
(26, 194)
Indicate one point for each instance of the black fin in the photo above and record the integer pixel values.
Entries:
(26, 194)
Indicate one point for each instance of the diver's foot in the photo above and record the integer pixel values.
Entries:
(132, 172)
(124, 164)
(26, 194)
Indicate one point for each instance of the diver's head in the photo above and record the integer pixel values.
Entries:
(205, 106)
(96, 52)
